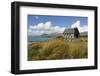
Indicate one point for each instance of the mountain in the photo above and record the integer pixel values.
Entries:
(84, 34)
(51, 35)
(45, 35)
(55, 34)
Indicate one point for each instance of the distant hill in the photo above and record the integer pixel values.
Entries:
(48, 35)
(55, 34)
(51, 35)
(84, 34)
(45, 35)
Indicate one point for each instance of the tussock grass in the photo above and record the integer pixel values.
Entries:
(58, 49)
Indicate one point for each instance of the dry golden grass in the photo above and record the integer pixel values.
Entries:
(58, 49)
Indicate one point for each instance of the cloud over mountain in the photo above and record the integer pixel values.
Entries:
(77, 24)
(46, 28)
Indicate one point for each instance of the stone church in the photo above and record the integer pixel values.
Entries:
(71, 33)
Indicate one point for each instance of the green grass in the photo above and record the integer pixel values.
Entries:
(58, 49)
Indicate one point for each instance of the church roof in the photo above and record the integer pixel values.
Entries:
(70, 30)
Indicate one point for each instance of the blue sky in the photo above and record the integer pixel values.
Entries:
(46, 22)
(65, 21)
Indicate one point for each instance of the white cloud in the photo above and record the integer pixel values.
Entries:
(83, 28)
(46, 27)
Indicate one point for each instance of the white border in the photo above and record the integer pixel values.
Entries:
(26, 65)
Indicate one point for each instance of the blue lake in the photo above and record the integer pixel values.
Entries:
(30, 39)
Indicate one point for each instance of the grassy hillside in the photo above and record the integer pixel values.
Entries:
(58, 49)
